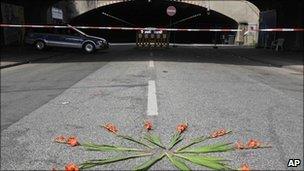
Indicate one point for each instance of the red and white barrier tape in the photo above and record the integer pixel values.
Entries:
(281, 29)
(112, 28)
(163, 29)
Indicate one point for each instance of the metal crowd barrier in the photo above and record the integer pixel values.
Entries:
(152, 39)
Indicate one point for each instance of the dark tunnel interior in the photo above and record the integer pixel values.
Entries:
(153, 14)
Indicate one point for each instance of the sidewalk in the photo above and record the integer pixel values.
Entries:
(290, 60)
(15, 55)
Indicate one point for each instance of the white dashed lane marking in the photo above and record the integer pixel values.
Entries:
(151, 64)
(152, 101)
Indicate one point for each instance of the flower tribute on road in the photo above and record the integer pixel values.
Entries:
(153, 148)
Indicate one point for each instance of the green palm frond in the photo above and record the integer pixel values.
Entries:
(154, 139)
(209, 162)
(129, 138)
(146, 165)
(219, 147)
(105, 148)
(177, 162)
(93, 163)
(193, 142)
(176, 138)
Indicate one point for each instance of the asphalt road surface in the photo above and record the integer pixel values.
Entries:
(75, 93)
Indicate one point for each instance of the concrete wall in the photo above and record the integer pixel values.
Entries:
(243, 12)
(77, 7)
(13, 14)
(291, 15)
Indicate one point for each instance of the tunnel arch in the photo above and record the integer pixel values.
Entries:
(245, 13)
(109, 8)
(153, 15)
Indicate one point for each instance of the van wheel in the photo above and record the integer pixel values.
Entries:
(89, 47)
(39, 45)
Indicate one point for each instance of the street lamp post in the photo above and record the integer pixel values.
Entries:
(171, 11)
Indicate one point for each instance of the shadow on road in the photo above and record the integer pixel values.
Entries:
(222, 55)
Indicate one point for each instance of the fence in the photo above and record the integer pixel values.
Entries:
(152, 39)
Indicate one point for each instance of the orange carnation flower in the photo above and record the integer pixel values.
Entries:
(72, 141)
(148, 125)
(245, 167)
(182, 127)
(253, 144)
(239, 145)
(60, 139)
(219, 133)
(111, 127)
(71, 167)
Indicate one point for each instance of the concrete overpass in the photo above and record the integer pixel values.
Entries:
(289, 14)
(243, 12)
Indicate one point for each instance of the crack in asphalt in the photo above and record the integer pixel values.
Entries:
(274, 136)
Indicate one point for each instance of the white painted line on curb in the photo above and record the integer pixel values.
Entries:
(152, 102)
(151, 64)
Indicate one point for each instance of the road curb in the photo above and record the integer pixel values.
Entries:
(293, 68)
(274, 64)
(269, 63)
(264, 62)
(25, 62)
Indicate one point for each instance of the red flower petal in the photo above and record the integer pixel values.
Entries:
(245, 167)
(71, 167)
(111, 127)
(182, 127)
(72, 141)
(239, 145)
(60, 139)
(253, 144)
(219, 133)
(148, 125)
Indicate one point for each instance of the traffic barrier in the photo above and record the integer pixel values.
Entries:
(149, 37)
(281, 30)
(152, 39)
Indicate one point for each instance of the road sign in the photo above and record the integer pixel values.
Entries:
(57, 13)
(171, 11)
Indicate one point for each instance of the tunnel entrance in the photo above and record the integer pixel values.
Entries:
(153, 14)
